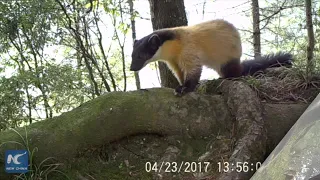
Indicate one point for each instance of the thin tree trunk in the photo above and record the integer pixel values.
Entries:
(166, 14)
(256, 28)
(79, 75)
(38, 83)
(105, 57)
(29, 104)
(122, 52)
(95, 84)
(79, 41)
(311, 40)
(22, 70)
(121, 45)
(133, 27)
(124, 68)
(91, 55)
(203, 8)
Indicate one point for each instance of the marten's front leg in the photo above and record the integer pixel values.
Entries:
(191, 81)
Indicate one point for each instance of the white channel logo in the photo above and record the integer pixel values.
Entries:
(14, 159)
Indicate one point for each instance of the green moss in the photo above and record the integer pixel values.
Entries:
(105, 119)
(252, 81)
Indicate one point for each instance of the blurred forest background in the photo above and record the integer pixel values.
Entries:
(57, 54)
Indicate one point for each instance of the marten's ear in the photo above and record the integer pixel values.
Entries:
(135, 42)
(154, 41)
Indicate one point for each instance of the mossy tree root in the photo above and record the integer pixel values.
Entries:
(250, 129)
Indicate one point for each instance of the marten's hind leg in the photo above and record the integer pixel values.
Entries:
(191, 81)
(231, 69)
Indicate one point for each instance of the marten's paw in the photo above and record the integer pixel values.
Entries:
(179, 91)
(182, 90)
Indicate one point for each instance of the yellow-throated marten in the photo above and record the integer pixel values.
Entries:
(215, 44)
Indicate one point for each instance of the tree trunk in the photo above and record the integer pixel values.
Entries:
(81, 44)
(88, 46)
(256, 28)
(166, 14)
(311, 40)
(122, 50)
(102, 49)
(133, 28)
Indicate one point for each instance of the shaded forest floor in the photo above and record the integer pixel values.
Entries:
(127, 159)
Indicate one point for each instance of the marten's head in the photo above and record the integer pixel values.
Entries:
(148, 49)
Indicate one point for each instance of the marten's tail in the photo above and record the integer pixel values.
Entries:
(261, 63)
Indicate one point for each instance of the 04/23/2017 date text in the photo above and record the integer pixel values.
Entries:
(177, 167)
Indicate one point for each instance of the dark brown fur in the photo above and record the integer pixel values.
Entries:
(231, 69)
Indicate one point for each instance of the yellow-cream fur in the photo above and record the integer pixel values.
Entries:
(212, 44)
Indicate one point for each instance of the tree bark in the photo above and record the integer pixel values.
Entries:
(133, 28)
(251, 130)
(256, 28)
(121, 45)
(311, 40)
(166, 14)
